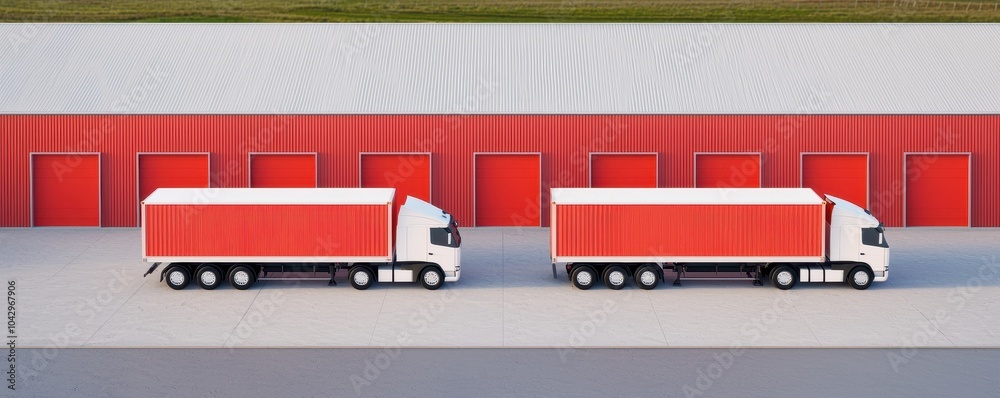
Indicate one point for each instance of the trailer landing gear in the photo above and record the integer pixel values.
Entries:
(153, 268)
(333, 272)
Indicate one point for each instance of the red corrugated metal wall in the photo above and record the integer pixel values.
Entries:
(563, 141)
(267, 230)
(679, 230)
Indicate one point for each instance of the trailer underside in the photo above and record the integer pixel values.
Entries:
(783, 275)
(241, 276)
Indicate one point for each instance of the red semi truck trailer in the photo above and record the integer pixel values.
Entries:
(246, 234)
(786, 234)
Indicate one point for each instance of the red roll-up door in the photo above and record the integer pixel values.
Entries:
(66, 190)
(508, 189)
(937, 190)
(283, 170)
(171, 170)
(842, 175)
(724, 170)
(409, 173)
(623, 170)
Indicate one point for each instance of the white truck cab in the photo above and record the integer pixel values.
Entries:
(426, 237)
(856, 237)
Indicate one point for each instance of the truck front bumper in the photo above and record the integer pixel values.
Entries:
(885, 275)
(453, 278)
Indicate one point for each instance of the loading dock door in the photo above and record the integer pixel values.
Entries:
(171, 170)
(937, 190)
(66, 190)
(842, 175)
(623, 170)
(508, 189)
(725, 170)
(283, 170)
(409, 173)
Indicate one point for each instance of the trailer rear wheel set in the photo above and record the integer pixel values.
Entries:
(614, 276)
(210, 276)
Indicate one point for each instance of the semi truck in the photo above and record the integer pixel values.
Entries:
(787, 235)
(242, 235)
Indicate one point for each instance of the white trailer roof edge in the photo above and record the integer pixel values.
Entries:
(270, 196)
(680, 196)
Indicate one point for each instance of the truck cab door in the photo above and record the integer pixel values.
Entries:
(444, 245)
(849, 244)
(416, 251)
(417, 238)
(874, 250)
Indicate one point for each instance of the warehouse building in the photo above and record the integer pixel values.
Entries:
(482, 119)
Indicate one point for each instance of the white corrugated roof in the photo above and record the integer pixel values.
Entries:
(681, 196)
(270, 196)
(499, 68)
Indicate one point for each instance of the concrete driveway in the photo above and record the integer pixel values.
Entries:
(84, 288)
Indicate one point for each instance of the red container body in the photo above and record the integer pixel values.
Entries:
(690, 230)
(307, 232)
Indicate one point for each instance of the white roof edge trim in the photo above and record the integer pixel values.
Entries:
(271, 196)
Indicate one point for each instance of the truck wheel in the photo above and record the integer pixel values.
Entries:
(361, 278)
(431, 278)
(178, 278)
(584, 277)
(209, 277)
(615, 277)
(647, 278)
(241, 277)
(860, 278)
(783, 277)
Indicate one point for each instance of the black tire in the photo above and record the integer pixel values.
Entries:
(361, 277)
(784, 277)
(584, 277)
(432, 278)
(177, 277)
(646, 277)
(209, 277)
(860, 277)
(241, 277)
(615, 277)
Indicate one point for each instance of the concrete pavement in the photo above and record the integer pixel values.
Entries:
(84, 288)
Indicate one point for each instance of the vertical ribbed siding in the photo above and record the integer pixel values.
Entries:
(307, 231)
(689, 230)
(563, 141)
